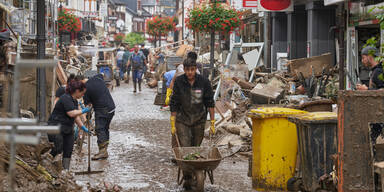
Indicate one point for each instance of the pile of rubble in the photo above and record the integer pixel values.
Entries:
(35, 170)
(301, 87)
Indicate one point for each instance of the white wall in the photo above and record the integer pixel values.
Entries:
(128, 22)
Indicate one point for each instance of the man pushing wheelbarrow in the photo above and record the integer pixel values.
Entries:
(191, 100)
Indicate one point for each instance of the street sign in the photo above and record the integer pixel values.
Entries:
(103, 9)
(112, 18)
(250, 3)
(275, 5)
(331, 2)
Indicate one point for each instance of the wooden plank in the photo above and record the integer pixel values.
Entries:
(61, 76)
(305, 65)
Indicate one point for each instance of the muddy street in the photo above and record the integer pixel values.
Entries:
(140, 152)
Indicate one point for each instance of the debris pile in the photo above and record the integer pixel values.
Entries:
(302, 86)
(35, 170)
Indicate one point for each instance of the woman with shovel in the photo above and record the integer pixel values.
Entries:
(65, 113)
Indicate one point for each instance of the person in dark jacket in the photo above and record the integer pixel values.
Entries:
(145, 52)
(100, 98)
(368, 55)
(65, 113)
(191, 100)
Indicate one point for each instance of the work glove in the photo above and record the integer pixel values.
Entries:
(81, 105)
(212, 129)
(76, 132)
(173, 125)
(169, 93)
(85, 129)
(85, 110)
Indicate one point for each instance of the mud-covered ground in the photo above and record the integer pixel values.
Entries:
(140, 152)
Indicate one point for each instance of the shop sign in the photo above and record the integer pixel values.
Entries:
(275, 5)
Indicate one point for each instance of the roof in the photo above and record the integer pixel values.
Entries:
(145, 13)
(131, 4)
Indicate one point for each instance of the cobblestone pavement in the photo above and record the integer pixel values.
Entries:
(140, 152)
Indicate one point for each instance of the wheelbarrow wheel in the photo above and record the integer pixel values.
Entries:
(199, 178)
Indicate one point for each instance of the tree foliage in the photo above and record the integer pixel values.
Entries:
(134, 39)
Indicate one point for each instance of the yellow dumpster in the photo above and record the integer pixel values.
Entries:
(274, 145)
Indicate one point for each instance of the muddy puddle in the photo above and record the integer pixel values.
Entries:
(140, 152)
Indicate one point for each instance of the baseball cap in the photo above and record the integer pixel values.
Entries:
(369, 50)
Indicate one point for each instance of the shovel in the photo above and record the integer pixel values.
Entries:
(89, 171)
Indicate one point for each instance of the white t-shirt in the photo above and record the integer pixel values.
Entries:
(119, 55)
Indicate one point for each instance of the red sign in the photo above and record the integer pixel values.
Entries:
(250, 3)
(275, 5)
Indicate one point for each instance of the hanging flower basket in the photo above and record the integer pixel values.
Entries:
(68, 22)
(160, 25)
(217, 17)
(119, 37)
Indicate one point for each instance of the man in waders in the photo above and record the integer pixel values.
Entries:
(139, 66)
(191, 100)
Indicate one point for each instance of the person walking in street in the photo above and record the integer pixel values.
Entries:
(119, 62)
(139, 66)
(160, 59)
(368, 55)
(145, 51)
(65, 113)
(191, 100)
(126, 55)
(100, 98)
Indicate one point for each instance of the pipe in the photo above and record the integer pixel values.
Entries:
(41, 79)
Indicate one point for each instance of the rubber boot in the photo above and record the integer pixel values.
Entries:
(140, 85)
(103, 152)
(134, 87)
(66, 163)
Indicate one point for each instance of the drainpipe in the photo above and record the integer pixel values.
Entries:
(41, 83)
(341, 47)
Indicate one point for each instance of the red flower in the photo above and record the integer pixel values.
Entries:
(227, 21)
(217, 19)
(205, 26)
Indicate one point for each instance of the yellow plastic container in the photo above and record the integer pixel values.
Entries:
(274, 144)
